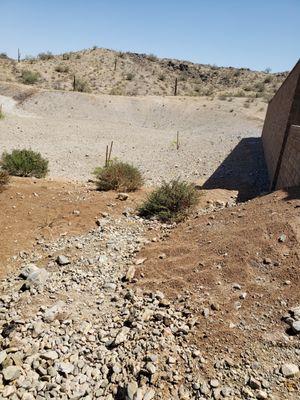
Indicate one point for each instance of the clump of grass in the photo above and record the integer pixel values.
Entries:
(129, 76)
(162, 77)
(4, 180)
(45, 56)
(81, 85)
(29, 77)
(118, 175)
(1, 113)
(62, 68)
(170, 202)
(24, 163)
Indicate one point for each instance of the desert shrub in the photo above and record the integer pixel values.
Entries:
(170, 202)
(259, 86)
(1, 113)
(129, 76)
(118, 175)
(162, 77)
(81, 85)
(222, 97)
(152, 57)
(24, 163)
(4, 180)
(29, 77)
(62, 68)
(45, 56)
(3, 55)
(66, 56)
(268, 79)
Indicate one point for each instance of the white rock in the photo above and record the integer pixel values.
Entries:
(289, 370)
(62, 260)
(11, 373)
(3, 356)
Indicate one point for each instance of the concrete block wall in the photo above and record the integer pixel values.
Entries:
(283, 110)
(289, 174)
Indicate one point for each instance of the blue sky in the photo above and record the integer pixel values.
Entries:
(242, 33)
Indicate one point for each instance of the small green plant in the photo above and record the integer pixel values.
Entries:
(66, 56)
(129, 76)
(24, 163)
(45, 56)
(1, 113)
(118, 175)
(62, 68)
(29, 77)
(4, 180)
(170, 202)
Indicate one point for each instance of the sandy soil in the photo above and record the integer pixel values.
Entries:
(41, 209)
(72, 131)
(205, 258)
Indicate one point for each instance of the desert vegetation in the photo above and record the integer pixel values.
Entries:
(103, 69)
(170, 202)
(4, 179)
(29, 77)
(26, 163)
(118, 175)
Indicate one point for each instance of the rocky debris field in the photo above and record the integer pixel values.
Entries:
(72, 328)
(79, 320)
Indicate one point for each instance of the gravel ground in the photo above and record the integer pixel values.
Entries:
(73, 129)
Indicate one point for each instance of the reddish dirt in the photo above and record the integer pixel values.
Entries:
(32, 209)
(206, 256)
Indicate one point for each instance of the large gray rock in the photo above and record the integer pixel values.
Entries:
(11, 373)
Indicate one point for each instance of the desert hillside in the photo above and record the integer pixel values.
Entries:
(104, 71)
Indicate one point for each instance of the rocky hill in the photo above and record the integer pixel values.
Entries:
(105, 71)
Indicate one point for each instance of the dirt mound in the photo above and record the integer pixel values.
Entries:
(238, 268)
(109, 72)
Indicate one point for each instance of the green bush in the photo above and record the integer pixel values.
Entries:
(170, 202)
(62, 68)
(129, 76)
(81, 85)
(24, 163)
(45, 56)
(4, 180)
(29, 77)
(118, 175)
(66, 56)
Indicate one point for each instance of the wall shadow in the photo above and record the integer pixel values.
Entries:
(244, 170)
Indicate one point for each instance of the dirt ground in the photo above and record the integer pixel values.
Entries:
(215, 259)
(72, 130)
(42, 209)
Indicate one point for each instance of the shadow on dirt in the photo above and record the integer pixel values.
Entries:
(244, 170)
(292, 193)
